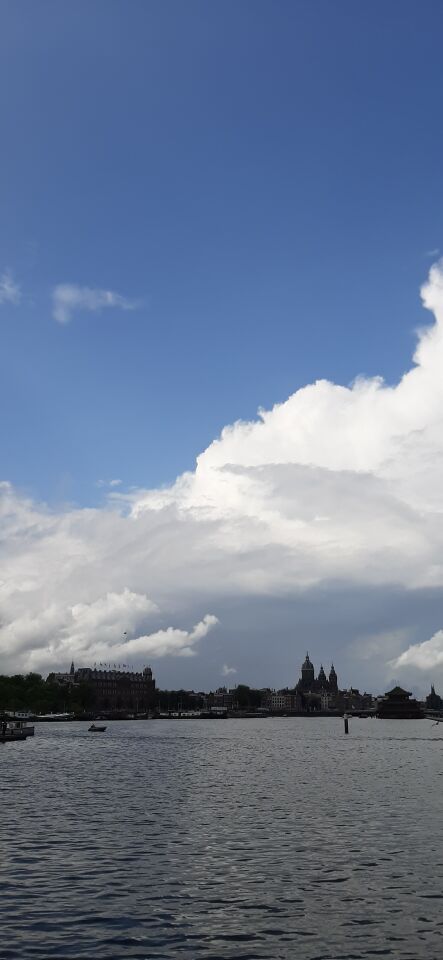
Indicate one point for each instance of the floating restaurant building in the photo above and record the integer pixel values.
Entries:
(397, 705)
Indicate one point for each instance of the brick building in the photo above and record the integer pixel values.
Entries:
(113, 690)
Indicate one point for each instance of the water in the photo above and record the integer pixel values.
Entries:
(223, 839)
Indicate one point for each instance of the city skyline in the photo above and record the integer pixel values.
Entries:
(108, 688)
(228, 682)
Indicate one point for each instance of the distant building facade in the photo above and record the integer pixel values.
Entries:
(433, 701)
(64, 679)
(113, 690)
(281, 701)
(222, 698)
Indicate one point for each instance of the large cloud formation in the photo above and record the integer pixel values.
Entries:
(338, 485)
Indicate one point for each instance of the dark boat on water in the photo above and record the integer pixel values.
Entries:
(96, 729)
(22, 726)
(10, 735)
(9, 732)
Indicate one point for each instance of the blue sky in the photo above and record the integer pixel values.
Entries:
(263, 176)
(205, 208)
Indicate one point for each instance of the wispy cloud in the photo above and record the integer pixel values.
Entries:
(67, 298)
(226, 671)
(432, 253)
(109, 483)
(9, 290)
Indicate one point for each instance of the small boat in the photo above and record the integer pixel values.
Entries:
(12, 730)
(8, 736)
(22, 726)
(95, 729)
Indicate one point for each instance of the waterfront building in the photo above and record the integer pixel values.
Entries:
(222, 698)
(354, 701)
(326, 700)
(281, 701)
(433, 701)
(113, 690)
(397, 705)
(64, 679)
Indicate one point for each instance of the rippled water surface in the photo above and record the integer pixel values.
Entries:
(223, 839)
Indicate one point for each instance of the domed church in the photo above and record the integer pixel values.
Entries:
(309, 684)
(316, 692)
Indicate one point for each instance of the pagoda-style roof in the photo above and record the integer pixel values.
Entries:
(398, 693)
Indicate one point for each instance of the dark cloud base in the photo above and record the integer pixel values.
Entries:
(265, 638)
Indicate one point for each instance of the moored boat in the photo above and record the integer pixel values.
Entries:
(55, 717)
(10, 733)
(21, 726)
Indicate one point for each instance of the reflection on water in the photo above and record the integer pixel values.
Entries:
(224, 839)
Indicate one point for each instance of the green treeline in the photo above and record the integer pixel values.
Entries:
(31, 692)
(246, 698)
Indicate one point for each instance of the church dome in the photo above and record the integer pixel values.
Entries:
(307, 669)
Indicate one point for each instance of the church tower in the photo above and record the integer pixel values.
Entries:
(322, 677)
(333, 683)
(307, 673)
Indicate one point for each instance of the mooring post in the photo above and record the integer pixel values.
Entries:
(345, 718)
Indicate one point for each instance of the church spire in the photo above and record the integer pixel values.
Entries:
(322, 675)
(333, 683)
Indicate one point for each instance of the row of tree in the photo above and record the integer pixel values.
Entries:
(32, 692)
(245, 698)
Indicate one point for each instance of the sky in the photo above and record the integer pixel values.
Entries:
(221, 316)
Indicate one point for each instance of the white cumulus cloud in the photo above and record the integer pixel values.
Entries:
(170, 641)
(104, 628)
(68, 298)
(335, 486)
(425, 656)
